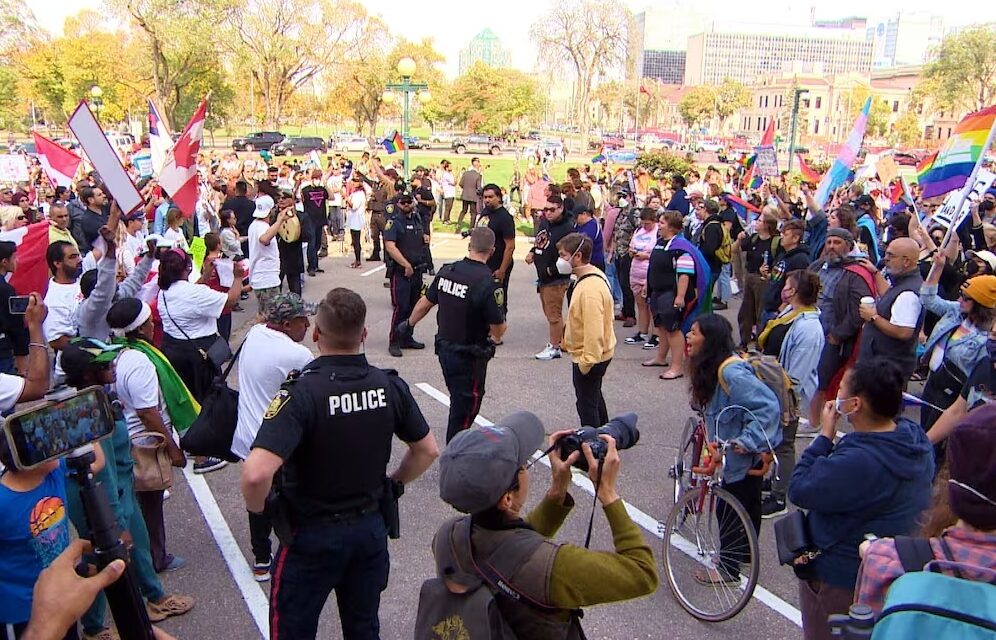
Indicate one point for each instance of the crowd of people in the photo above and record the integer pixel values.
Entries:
(857, 299)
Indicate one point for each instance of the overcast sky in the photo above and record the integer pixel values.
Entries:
(453, 24)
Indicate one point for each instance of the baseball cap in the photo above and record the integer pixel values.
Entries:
(864, 200)
(986, 256)
(405, 197)
(134, 215)
(263, 207)
(82, 353)
(285, 193)
(480, 464)
(287, 306)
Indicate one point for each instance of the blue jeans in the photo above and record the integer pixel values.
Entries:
(350, 557)
(724, 290)
(614, 287)
(312, 231)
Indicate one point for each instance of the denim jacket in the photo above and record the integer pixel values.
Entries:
(965, 352)
(800, 354)
(736, 425)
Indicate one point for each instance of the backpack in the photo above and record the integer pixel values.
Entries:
(923, 603)
(476, 613)
(290, 230)
(725, 251)
(768, 370)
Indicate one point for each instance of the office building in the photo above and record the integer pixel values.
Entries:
(484, 47)
(667, 67)
(905, 38)
(746, 57)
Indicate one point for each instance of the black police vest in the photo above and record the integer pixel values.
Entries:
(410, 240)
(342, 459)
(459, 323)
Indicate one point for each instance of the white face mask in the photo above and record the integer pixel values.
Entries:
(564, 267)
(623, 203)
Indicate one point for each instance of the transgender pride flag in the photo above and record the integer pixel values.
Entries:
(841, 169)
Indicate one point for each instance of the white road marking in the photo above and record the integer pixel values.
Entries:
(646, 521)
(252, 592)
(382, 266)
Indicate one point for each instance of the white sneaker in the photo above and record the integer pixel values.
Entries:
(806, 430)
(551, 352)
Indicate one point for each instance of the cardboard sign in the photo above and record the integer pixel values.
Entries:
(887, 169)
(946, 215)
(766, 161)
(143, 164)
(13, 168)
(105, 159)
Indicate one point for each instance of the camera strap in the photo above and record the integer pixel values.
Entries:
(594, 503)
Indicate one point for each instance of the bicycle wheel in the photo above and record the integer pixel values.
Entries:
(710, 534)
(689, 451)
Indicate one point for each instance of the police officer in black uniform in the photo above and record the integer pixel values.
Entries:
(471, 319)
(405, 243)
(328, 433)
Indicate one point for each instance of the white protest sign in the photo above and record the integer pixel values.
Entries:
(13, 168)
(947, 217)
(105, 159)
(766, 161)
(143, 164)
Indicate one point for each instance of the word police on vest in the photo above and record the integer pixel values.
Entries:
(358, 401)
(453, 288)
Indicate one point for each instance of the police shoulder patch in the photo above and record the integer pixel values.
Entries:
(278, 402)
(500, 297)
(389, 208)
(390, 223)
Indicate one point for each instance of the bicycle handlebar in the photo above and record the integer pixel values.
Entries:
(715, 461)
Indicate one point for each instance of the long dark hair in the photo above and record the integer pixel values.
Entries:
(173, 263)
(703, 367)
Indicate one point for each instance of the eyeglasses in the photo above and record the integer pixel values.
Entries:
(22, 217)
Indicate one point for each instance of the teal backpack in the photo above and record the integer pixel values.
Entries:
(926, 604)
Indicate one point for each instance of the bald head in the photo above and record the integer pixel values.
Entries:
(901, 255)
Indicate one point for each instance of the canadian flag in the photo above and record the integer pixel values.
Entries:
(179, 174)
(31, 274)
(60, 165)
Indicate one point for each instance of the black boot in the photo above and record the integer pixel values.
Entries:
(394, 349)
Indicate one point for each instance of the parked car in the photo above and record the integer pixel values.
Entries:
(412, 142)
(533, 135)
(476, 144)
(441, 138)
(298, 146)
(711, 146)
(607, 141)
(352, 143)
(906, 159)
(258, 140)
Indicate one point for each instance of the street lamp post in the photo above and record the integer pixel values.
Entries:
(406, 67)
(95, 94)
(795, 116)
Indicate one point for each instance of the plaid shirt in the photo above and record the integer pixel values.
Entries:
(881, 565)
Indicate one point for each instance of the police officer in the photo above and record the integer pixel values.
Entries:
(405, 242)
(328, 432)
(471, 319)
(377, 205)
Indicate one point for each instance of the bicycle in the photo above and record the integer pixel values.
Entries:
(711, 555)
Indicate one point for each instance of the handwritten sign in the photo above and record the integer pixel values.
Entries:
(13, 168)
(947, 217)
(766, 161)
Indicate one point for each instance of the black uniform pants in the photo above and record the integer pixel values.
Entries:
(377, 224)
(588, 391)
(350, 557)
(465, 376)
(404, 295)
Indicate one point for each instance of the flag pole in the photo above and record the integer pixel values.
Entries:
(971, 180)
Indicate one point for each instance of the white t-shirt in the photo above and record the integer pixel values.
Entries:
(132, 250)
(266, 359)
(176, 238)
(63, 301)
(906, 310)
(356, 214)
(10, 390)
(449, 184)
(194, 308)
(264, 260)
(138, 388)
(334, 187)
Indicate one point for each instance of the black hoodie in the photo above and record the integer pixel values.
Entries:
(544, 250)
(797, 258)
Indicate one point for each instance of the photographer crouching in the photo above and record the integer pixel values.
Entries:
(538, 585)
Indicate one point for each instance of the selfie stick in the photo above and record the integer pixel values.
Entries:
(123, 595)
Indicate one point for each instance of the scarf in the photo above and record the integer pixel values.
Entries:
(788, 318)
(181, 406)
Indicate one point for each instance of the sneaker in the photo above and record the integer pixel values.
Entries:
(651, 343)
(166, 495)
(413, 344)
(720, 306)
(209, 465)
(311, 273)
(806, 430)
(261, 571)
(549, 353)
(395, 350)
(639, 338)
(629, 322)
(772, 507)
(320, 270)
(175, 563)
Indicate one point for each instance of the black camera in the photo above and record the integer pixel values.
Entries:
(465, 233)
(621, 428)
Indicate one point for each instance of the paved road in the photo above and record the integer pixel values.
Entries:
(206, 520)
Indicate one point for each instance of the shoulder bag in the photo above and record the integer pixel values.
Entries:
(217, 353)
(212, 431)
(153, 470)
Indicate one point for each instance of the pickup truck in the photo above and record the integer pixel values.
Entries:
(476, 144)
(258, 140)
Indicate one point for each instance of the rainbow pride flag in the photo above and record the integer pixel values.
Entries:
(394, 144)
(949, 168)
(809, 174)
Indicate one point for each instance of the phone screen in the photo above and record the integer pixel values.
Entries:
(56, 428)
(18, 304)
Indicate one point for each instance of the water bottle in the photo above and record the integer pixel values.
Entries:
(764, 258)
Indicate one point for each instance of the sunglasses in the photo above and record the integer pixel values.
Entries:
(547, 209)
(22, 217)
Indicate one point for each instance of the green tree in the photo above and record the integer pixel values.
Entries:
(907, 130)
(964, 74)
(488, 100)
(19, 28)
(878, 114)
(731, 96)
(698, 105)
(589, 37)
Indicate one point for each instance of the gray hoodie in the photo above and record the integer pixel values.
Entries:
(92, 312)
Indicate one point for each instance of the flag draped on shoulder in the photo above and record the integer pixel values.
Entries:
(179, 175)
(60, 164)
(703, 275)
